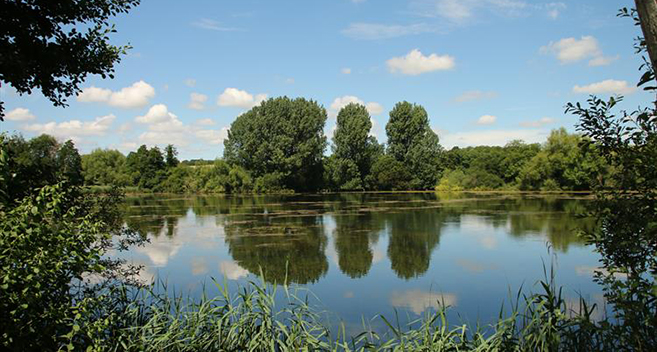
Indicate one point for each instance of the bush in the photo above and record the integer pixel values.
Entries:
(51, 243)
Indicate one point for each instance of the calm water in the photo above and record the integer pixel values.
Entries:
(368, 254)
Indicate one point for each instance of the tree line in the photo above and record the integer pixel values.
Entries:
(279, 146)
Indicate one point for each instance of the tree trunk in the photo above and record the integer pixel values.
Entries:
(647, 10)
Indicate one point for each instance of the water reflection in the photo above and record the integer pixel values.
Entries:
(417, 301)
(287, 237)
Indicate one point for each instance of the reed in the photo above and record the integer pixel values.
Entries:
(250, 320)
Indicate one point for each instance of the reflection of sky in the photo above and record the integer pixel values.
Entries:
(473, 269)
(418, 301)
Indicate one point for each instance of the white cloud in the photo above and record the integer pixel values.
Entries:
(474, 95)
(197, 101)
(609, 86)
(289, 80)
(213, 25)
(340, 102)
(418, 301)
(136, 96)
(190, 82)
(179, 138)
(487, 120)
(374, 108)
(74, 129)
(346, 71)
(157, 114)
(538, 123)
(414, 63)
(94, 95)
(374, 31)
(603, 60)
(205, 122)
(492, 137)
(164, 127)
(571, 50)
(213, 136)
(239, 98)
(20, 114)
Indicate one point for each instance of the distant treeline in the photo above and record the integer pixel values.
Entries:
(279, 146)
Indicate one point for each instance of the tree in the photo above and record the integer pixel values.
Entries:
(353, 147)
(389, 174)
(171, 156)
(146, 167)
(281, 136)
(69, 164)
(54, 45)
(412, 142)
(105, 167)
(41, 161)
(626, 208)
(565, 162)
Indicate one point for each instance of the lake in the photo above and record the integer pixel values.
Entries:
(373, 253)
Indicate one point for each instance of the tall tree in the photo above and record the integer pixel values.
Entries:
(53, 45)
(412, 142)
(171, 156)
(69, 164)
(354, 150)
(281, 140)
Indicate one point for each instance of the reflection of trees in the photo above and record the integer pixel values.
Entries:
(413, 237)
(557, 218)
(352, 242)
(270, 231)
(294, 247)
(154, 215)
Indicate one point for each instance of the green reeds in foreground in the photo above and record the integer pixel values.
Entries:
(249, 320)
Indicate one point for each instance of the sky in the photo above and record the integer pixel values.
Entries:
(486, 71)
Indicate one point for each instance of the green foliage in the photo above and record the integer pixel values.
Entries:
(452, 181)
(146, 167)
(171, 156)
(283, 136)
(412, 142)
(40, 161)
(69, 164)
(105, 167)
(342, 174)
(354, 150)
(51, 243)
(389, 174)
(566, 161)
(54, 48)
(627, 213)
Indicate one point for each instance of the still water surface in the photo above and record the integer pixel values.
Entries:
(369, 254)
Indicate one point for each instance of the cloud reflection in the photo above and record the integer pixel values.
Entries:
(418, 301)
(232, 270)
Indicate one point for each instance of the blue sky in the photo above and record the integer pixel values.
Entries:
(487, 71)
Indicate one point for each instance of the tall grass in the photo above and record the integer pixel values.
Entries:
(250, 320)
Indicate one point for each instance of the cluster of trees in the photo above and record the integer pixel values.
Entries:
(564, 162)
(32, 164)
(279, 146)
